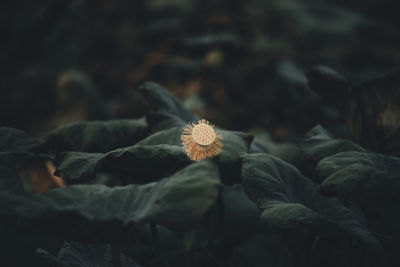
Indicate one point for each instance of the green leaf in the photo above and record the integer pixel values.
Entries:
(171, 136)
(101, 213)
(96, 136)
(74, 254)
(16, 140)
(288, 200)
(241, 216)
(317, 144)
(288, 215)
(168, 111)
(234, 143)
(18, 149)
(371, 181)
(169, 117)
(76, 167)
(135, 164)
(386, 165)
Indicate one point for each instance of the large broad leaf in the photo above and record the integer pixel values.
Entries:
(387, 166)
(16, 140)
(317, 144)
(74, 254)
(263, 143)
(169, 117)
(22, 153)
(237, 217)
(369, 182)
(18, 248)
(98, 212)
(241, 237)
(234, 144)
(232, 220)
(96, 136)
(168, 111)
(157, 155)
(136, 164)
(290, 201)
(76, 167)
(18, 149)
(171, 136)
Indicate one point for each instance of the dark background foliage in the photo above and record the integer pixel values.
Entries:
(242, 64)
(306, 94)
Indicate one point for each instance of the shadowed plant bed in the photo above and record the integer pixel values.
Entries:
(157, 191)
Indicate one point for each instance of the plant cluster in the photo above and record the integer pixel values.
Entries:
(124, 193)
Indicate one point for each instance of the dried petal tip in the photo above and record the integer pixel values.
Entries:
(200, 140)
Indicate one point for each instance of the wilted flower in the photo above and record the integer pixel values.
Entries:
(200, 140)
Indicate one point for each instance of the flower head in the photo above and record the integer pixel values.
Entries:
(200, 140)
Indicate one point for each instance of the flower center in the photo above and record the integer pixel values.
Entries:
(203, 134)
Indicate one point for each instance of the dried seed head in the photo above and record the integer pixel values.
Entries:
(203, 134)
(200, 140)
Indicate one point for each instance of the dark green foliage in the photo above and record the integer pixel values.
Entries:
(309, 173)
(315, 145)
(100, 213)
(370, 184)
(136, 164)
(76, 254)
(234, 143)
(370, 108)
(76, 167)
(133, 198)
(170, 117)
(350, 173)
(290, 201)
(168, 111)
(18, 149)
(16, 140)
(95, 136)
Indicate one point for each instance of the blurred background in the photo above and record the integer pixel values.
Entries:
(277, 65)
